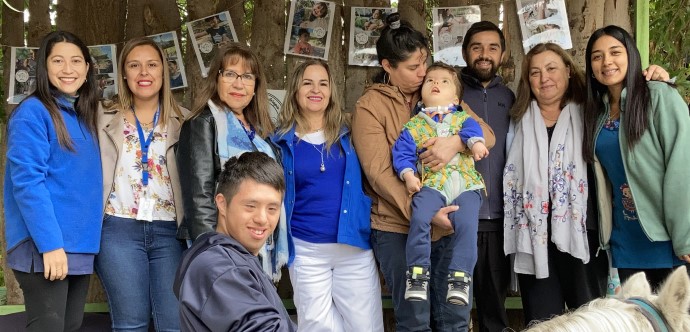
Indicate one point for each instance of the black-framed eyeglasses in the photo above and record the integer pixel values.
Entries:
(230, 76)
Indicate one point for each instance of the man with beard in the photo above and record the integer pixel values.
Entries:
(485, 93)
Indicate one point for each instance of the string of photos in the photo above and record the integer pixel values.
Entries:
(309, 33)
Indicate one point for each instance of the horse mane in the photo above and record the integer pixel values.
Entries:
(613, 314)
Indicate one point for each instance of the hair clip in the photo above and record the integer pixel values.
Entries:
(395, 25)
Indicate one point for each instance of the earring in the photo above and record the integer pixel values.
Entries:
(593, 75)
(386, 78)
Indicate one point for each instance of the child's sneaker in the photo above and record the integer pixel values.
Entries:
(417, 284)
(458, 288)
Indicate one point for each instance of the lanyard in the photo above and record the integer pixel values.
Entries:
(145, 145)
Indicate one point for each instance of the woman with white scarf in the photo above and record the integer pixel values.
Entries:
(545, 187)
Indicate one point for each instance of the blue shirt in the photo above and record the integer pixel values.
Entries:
(317, 194)
(630, 246)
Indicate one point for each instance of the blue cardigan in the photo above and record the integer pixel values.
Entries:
(52, 195)
(354, 226)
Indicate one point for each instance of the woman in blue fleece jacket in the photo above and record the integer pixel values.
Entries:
(53, 185)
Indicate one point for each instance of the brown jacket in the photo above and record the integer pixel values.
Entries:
(378, 119)
(110, 138)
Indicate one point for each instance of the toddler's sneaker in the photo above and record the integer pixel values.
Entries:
(458, 288)
(417, 284)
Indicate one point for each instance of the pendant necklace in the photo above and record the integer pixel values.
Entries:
(323, 167)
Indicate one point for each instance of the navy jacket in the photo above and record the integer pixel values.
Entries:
(354, 225)
(492, 103)
(221, 287)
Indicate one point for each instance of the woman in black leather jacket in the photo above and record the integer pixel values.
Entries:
(230, 117)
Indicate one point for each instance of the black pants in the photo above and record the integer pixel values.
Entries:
(491, 281)
(570, 283)
(655, 277)
(53, 305)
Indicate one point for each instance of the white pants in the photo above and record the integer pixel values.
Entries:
(336, 288)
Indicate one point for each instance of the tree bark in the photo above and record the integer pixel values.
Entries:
(150, 17)
(268, 38)
(39, 21)
(94, 21)
(357, 78)
(12, 35)
(584, 17)
(414, 11)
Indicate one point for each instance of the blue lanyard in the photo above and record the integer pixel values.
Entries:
(145, 145)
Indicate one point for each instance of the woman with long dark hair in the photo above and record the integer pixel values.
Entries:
(637, 133)
(52, 186)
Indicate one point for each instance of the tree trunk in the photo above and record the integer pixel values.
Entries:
(414, 11)
(512, 60)
(357, 78)
(94, 21)
(584, 17)
(150, 17)
(618, 13)
(39, 21)
(12, 34)
(268, 38)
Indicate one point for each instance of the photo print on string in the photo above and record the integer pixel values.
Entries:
(104, 58)
(208, 34)
(173, 58)
(449, 29)
(22, 73)
(366, 24)
(309, 28)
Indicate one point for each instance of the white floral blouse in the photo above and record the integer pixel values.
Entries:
(124, 199)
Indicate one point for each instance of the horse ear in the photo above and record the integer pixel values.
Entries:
(674, 297)
(636, 286)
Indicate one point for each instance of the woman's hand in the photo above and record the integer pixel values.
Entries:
(440, 150)
(441, 219)
(656, 73)
(685, 258)
(55, 264)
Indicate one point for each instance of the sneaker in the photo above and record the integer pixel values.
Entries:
(459, 288)
(417, 284)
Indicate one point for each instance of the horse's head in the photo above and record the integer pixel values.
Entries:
(669, 307)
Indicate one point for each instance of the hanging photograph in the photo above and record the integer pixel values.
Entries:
(173, 58)
(105, 70)
(208, 34)
(309, 28)
(449, 29)
(22, 73)
(543, 21)
(365, 29)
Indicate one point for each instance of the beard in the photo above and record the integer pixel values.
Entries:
(483, 75)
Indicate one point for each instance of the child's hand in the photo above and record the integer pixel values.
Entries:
(479, 151)
(412, 183)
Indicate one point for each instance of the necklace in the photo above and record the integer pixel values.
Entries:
(323, 167)
(146, 125)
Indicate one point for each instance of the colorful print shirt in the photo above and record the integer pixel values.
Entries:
(128, 188)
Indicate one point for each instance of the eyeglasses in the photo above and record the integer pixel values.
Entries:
(230, 76)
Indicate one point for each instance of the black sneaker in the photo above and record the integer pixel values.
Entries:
(417, 284)
(458, 288)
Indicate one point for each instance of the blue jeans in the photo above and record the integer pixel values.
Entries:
(465, 221)
(137, 265)
(436, 314)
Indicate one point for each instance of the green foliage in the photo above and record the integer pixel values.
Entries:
(669, 44)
